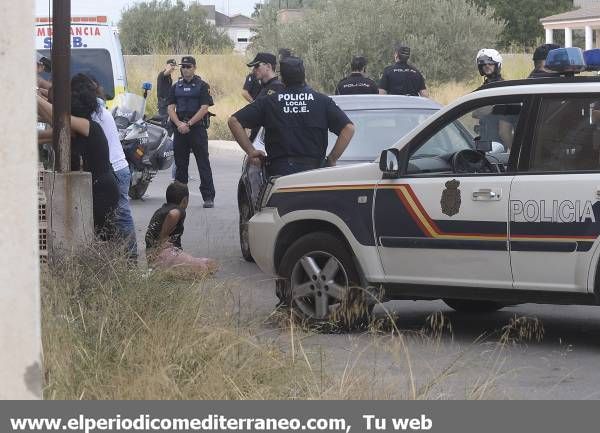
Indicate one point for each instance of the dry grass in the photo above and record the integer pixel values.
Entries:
(515, 66)
(225, 73)
(110, 332)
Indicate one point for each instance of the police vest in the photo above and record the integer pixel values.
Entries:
(188, 95)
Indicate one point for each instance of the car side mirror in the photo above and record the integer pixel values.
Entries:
(390, 163)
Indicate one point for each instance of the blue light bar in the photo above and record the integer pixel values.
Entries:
(592, 59)
(147, 86)
(566, 61)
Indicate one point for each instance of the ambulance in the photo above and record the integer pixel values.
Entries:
(96, 50)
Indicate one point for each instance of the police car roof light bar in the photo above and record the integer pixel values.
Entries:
(592, 59)
(566, 61)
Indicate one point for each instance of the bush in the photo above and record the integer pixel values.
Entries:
(155, 27)
(444, 36)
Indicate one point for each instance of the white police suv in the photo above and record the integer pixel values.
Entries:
(439, 216)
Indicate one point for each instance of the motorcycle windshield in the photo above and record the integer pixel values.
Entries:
(131, 106)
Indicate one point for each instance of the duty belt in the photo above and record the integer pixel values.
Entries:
(296, 159)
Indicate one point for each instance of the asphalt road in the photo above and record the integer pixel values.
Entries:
(466, 360)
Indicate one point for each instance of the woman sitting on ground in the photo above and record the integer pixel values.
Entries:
(163, 237)
(90, 146)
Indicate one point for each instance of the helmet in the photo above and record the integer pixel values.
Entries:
(489, 56)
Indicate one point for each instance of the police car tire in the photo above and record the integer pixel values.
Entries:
(245, 215)
(137, 191)
(351, 314)
(473, 306)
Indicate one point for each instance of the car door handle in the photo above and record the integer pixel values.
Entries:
(487, 194)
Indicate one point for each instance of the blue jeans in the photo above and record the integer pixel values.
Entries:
(123, 218)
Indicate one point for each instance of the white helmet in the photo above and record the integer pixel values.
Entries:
(489, 56)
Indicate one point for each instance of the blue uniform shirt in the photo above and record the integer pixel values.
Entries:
(189, 96)
(402, 78)
(296, 122)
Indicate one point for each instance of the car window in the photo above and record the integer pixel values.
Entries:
(493, 124)
(376, 130)
(567, 135)
(94, 62)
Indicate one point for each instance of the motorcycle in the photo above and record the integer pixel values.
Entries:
(147, 145)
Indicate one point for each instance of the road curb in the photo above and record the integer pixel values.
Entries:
(224, 146)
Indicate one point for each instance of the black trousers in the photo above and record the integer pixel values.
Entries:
(105, 196)
(197, 141)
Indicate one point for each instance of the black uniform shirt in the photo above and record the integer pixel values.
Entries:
(296, 122)
(540, 73)
(402, 79)
(163, 85)
(189, 96)
(356, 84)
(269, 88)
(252, 85)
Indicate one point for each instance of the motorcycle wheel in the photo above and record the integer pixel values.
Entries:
(245, 214)
(137, 191)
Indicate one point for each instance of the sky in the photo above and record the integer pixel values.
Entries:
(113, 8)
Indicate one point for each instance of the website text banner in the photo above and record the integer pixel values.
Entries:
(298, 416)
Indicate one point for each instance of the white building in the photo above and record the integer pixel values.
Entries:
(586, 18)
(238, 27)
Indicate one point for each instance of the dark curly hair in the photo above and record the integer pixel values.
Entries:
(83, 96)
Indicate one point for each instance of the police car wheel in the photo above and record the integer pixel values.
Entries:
(245, 215)
(472, 306)
(323, 284)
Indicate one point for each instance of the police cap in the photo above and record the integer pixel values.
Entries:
(263, 58)
(542, 51)
(188, 60)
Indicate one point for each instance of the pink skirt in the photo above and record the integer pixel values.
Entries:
(171, 257)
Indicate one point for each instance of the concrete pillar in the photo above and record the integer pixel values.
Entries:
(589, 38)
(549, 36)
(69, 212)
(568, 37)
(20, 363)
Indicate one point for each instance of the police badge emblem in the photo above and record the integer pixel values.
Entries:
(451, 198)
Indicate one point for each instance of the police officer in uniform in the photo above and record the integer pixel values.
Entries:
(296, 121)
(357, 83)
(539, 62)
(489, 65)
(251, 87)
(264, 66)
(188, 110)
(401, 78)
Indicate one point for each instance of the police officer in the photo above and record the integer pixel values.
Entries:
(296, 121)
(401, 78)
(489, 64)
(164, 82)
(251, 87)
(264, 66)
(357, 83)
(188, 110)
(539, 62)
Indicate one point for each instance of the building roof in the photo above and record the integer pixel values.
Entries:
(590, 12)
(210, 11)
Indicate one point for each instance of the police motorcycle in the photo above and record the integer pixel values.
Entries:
(147, 145)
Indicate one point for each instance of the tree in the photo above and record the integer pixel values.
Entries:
(444, 35)
(169, 27)
(522, 18)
